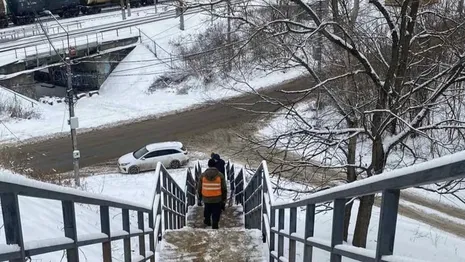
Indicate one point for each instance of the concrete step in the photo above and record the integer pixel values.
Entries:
(209, 245)
(197, 243)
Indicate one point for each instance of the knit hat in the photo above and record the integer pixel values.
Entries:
(211, 163)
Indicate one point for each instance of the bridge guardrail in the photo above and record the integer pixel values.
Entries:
(23, 32)
(169, 201)
(261, 212)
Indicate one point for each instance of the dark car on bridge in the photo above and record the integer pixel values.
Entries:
(64, 8)
(24, 11)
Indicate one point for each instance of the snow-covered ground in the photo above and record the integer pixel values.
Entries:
(42, 219)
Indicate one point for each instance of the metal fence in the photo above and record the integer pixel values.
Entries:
(169, 204)
(236, 183)
(261, 212)
(33, 30)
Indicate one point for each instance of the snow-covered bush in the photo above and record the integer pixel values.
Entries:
(13, 108)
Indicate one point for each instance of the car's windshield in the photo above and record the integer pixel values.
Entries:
(141, 152)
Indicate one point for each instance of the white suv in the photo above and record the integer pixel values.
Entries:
(170, 154)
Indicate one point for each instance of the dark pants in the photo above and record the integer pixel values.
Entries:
(212, 213)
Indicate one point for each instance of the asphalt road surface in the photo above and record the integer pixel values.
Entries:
(54, 155)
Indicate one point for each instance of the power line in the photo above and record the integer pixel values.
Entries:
(18, 139)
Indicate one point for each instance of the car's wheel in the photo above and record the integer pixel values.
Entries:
(175, 164)
(133, 170)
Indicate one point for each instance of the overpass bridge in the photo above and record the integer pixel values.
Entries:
(23, 57)
(168, 229)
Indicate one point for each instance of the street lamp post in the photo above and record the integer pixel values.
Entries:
(73, 120)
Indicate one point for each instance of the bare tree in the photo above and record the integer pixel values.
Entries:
(392, 84)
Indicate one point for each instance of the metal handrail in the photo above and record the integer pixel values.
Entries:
(95, 30)
(260, 209)
(169, 202)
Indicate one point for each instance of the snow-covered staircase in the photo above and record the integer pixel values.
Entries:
(231, 243)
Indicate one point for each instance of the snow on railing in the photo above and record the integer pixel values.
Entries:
(260, 210)
(169, 204)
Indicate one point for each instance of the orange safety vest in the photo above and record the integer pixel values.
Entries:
(211, 188)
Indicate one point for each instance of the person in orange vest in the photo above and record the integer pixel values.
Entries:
(213, 191)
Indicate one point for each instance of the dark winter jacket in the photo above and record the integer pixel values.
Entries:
(211, 173)
(220, 164)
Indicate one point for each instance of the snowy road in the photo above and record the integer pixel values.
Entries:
(102, 145)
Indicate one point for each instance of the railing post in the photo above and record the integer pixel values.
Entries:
(246, 207)
(178, 207)
(271, 245)
(152, 235)
(198, 172)
(265, 204)
(233, 171)
(165, 200)
(105, 228)
(190, 191)
(159, 209)
(12, 222)
(241, 187)
(292, 229)
(127, 239)
(185, 210)
(259, 198)
(387, 223)
(194, 192)
(337, 233)
(140, 224)
(182, 210)
(69, 221)
(280, 237)
(170, 204)
(232, 187)
(309, 230)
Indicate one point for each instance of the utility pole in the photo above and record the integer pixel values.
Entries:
(73, 120)
(123, 13)
(128, 7)
(181, 17)
(228, 37)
